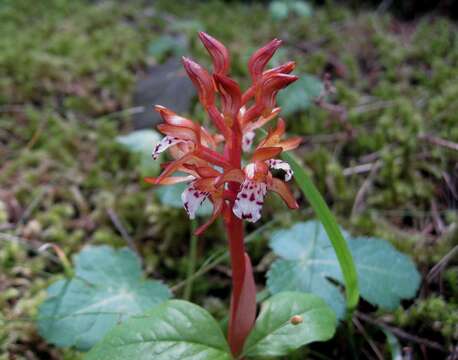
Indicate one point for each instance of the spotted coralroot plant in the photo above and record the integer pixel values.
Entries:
(212, 162)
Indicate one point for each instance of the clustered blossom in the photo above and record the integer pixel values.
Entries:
(212, 162)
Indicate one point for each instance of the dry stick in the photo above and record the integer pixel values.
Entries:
(437, 221)
(401, 333)
(450, 185)
(119, 226)
(374, 348)
(32, 206)
(441, 264)
(338, 112)
(365, 188)
(438, 141)
(358, 169)
(18, 240)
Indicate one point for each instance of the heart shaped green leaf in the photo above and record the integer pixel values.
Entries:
(278, 10)
(301, 8)
(166, 45)
(170, 195)
(107, 288)
(142, 142)
(299, 95)
(287, 321)
(307, 262)
(176, 329)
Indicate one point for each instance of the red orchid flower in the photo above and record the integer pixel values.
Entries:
(212, 163)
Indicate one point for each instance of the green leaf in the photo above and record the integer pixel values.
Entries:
(170, 195)
(385, 275)
(143, 142)
(304, 250)
(393, 345)
(107, 288)
(186, 26)
(301, 8)
(326, 217)
(299, 95)
(176, 329)
(166, 45)
(278, 10)
(275, 334)
(308, 261)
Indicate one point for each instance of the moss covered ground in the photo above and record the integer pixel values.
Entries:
(386, 159)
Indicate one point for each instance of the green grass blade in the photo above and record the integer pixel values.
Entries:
(332, 229)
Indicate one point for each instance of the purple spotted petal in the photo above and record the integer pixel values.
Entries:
(281, 165)
(192, 198)
(164, 144)
(247, 140)
(249, 201)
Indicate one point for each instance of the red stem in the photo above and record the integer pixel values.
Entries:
(234, 228)
(243, 299)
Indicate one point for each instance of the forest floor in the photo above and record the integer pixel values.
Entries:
(385, 157)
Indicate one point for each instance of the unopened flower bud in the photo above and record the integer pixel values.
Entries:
(202, 81)
(261, 57)
(218, 52)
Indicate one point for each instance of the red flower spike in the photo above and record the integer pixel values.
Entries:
(231, 97)
(202, 81)
(268, 88)
(172, 118)
(290, 144)
(206, 172)
(218, 120)
(273, 138)
(172, 180)
(261, 57)
(218, 205)
(266, 153)
(282, 69)
(236, 175)
(218, 52)
(243, 310)
(180, 132)
(282, 189)
(251, 126)
(265, 95)
(216, 174)
(285, 68)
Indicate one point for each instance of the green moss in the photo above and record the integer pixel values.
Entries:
(431, 314)
(65, 66)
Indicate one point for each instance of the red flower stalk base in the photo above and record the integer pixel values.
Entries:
(212, 162)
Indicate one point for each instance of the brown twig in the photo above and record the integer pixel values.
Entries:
(438, 141)
(437, 220)
(122, 230)
(374, 348)
(401, 333)
(337, 112)
(441, 264)
(365, 187)
(32, 206)
(453, 188)
(19, 240)
(358, 169)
